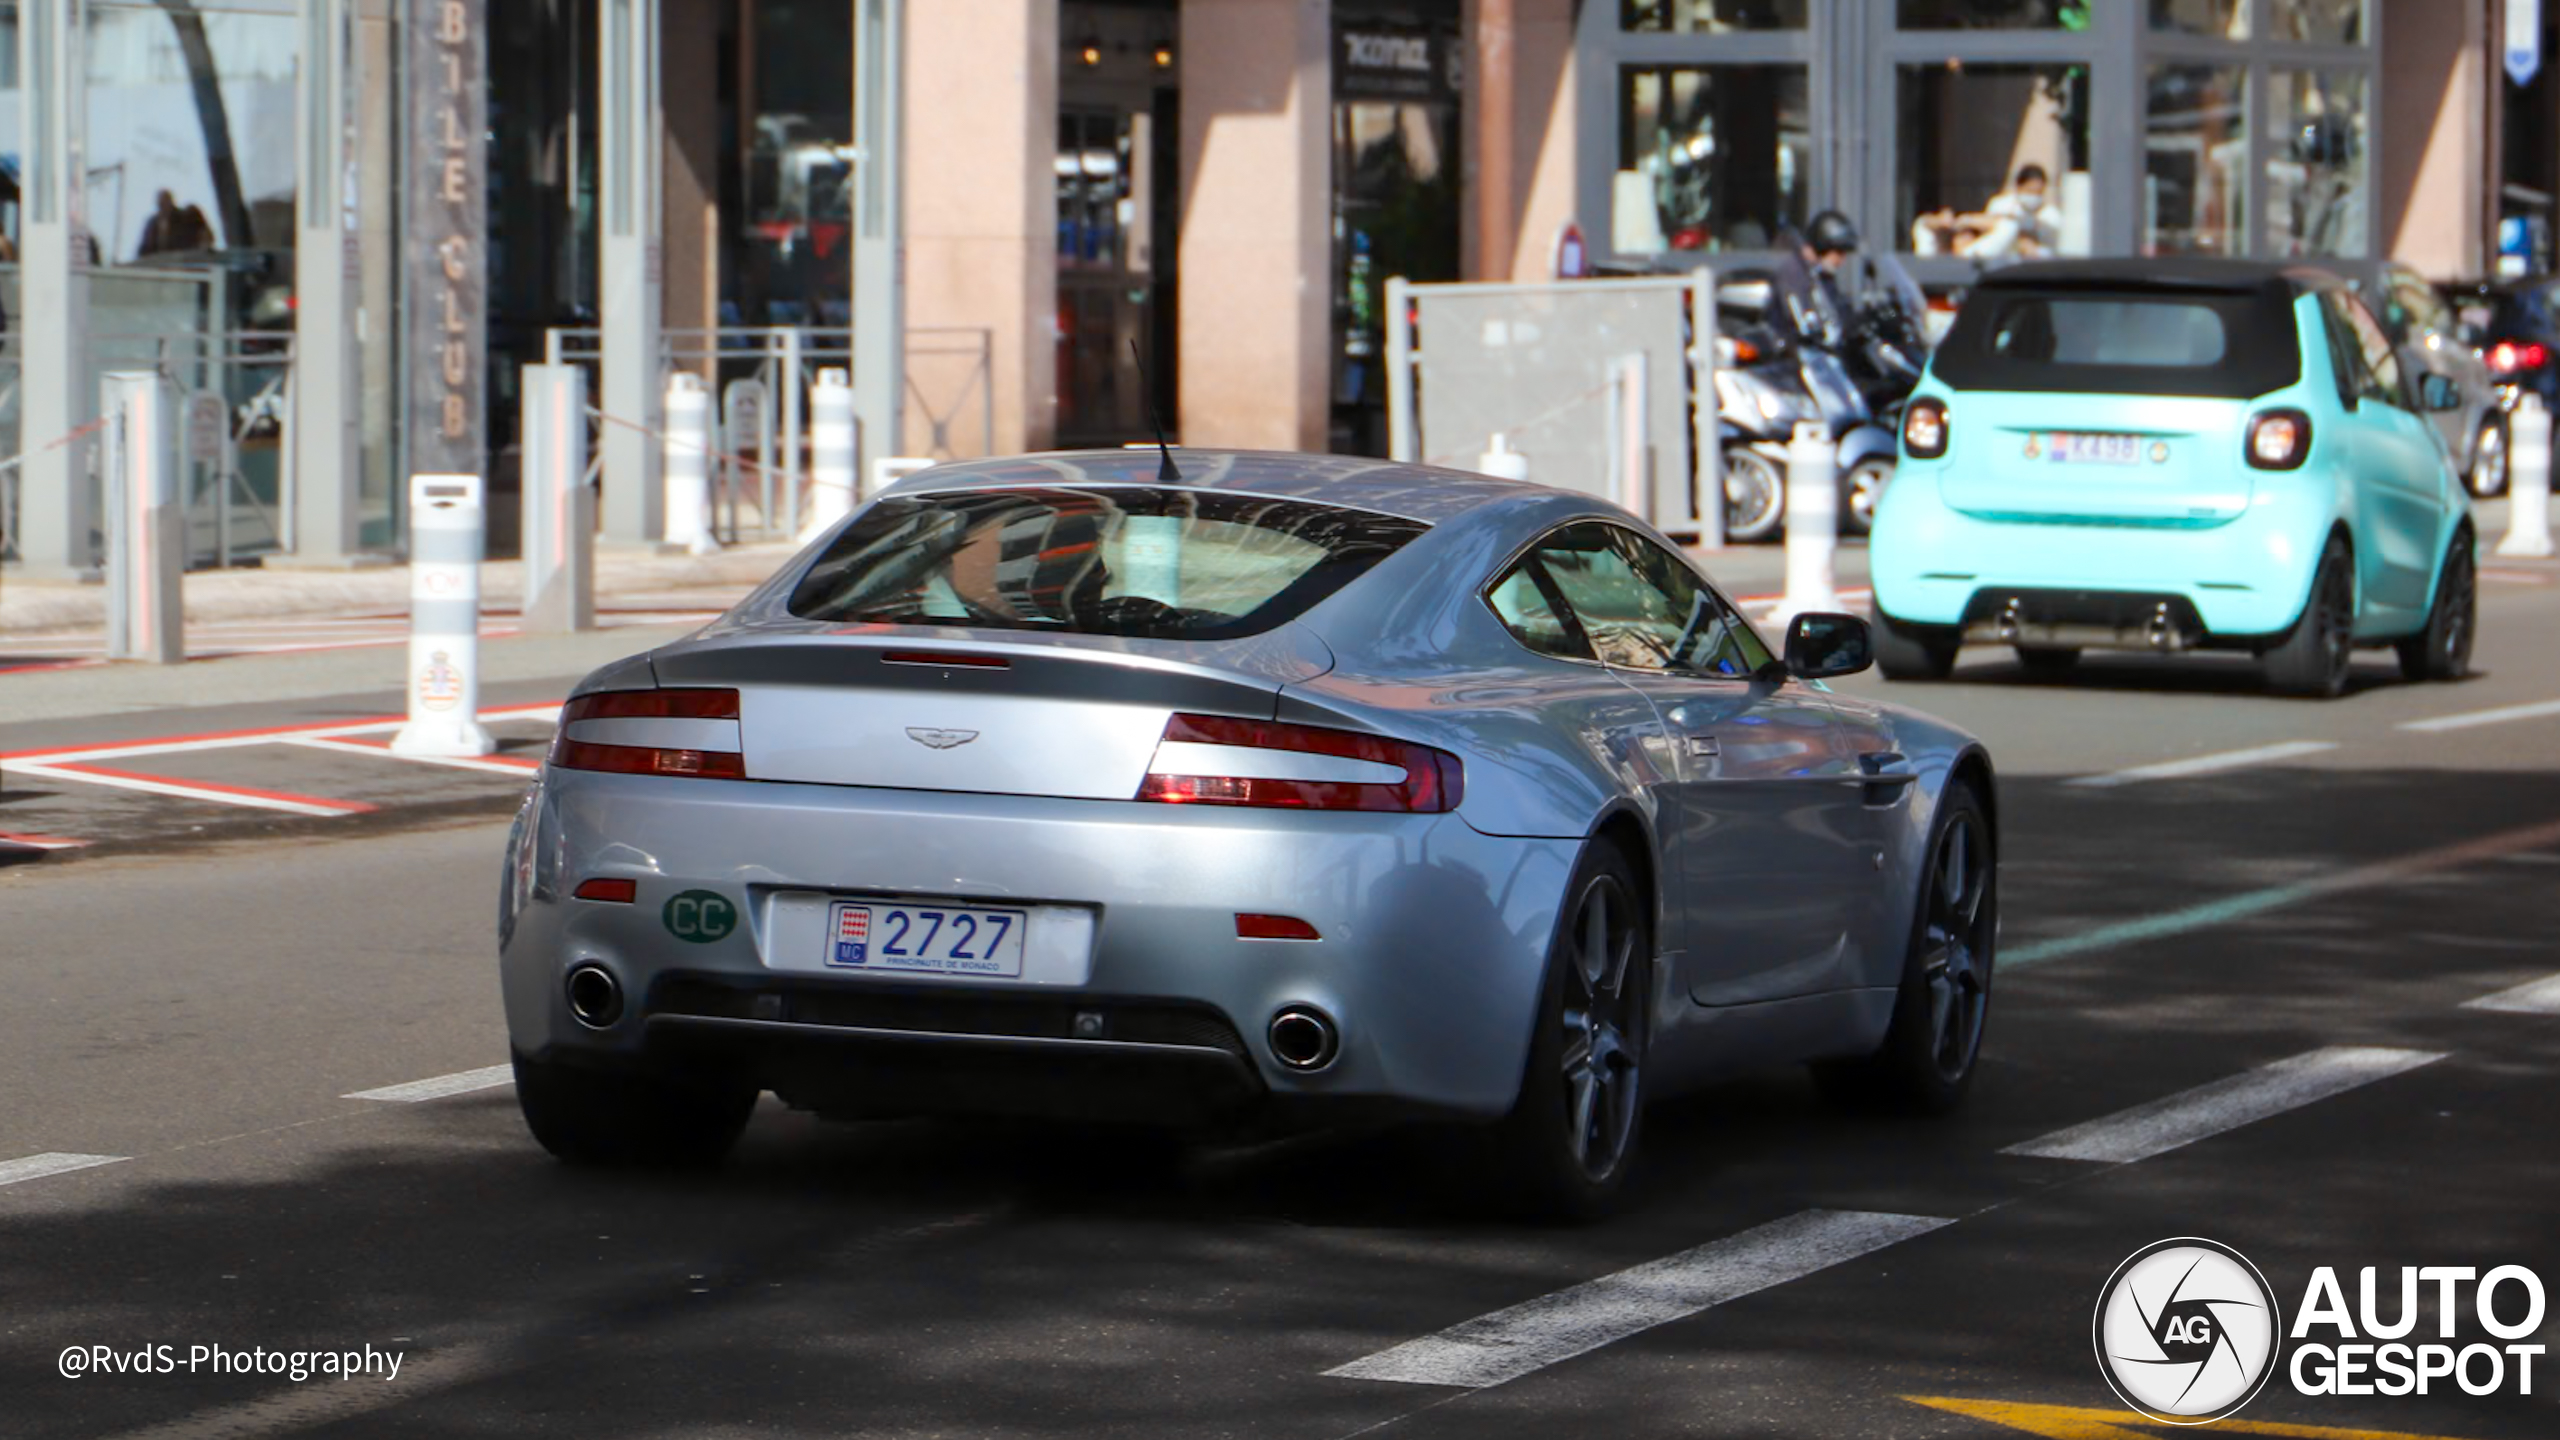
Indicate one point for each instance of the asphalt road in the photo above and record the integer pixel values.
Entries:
(2320, 888)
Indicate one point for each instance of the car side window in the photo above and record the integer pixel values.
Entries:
(1644, 610)
(2426, 309)
(1525, 602)
(2367, 368)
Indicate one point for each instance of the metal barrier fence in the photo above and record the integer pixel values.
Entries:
(761, 475)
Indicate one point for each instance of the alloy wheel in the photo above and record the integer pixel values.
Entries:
(1955, 949)
(2461, 598)
(2335, 614)
(1603, 1010)
(2489, 462)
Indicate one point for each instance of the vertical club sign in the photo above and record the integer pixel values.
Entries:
(446, 235)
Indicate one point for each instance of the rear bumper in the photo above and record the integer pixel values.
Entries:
(1433, 949)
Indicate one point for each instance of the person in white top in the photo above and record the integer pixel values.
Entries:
(2020, 223)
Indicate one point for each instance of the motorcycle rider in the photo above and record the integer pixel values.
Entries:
(1823, 282)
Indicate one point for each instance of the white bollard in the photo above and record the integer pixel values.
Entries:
(146, 527)
(831, 452)
(447, 532)
(2528, 481)
(688, 464)
(1813, 521)
(1502, 462)
(559, 507)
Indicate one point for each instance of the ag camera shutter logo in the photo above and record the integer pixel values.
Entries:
(2186, 1331)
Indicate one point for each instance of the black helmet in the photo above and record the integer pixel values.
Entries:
(1831, 230)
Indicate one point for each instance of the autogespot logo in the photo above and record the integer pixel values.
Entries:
(2186, 1331)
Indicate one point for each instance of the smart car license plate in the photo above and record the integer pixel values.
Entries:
(2071, 447)
(930, 939)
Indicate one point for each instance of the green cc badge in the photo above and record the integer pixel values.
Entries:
(700, 916)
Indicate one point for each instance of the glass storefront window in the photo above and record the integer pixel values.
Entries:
(792, 259)
(2228, 19)
(2195, 148)
(2316, 191)
(1992, 161)
(1709, 17)
(1710, 157)
(189, 150)
(1992, 14)
(2315, 22)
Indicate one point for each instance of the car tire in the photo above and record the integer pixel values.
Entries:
(1861, 490)
(2442, 651)
(1569, 1143)
(1755, 496)
(2314, 656)
(2048, 658)
(1912, 652)
(629, 1117)
(2487, 477)
(1942, 1004)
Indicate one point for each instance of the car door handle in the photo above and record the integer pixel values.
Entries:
(1882, 775)
(1704, 747)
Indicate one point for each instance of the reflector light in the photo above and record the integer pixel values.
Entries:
(618, 892)
(1433, 783)
(570, 754)
(2279, 439)
(1274, 927)
(1924, 429)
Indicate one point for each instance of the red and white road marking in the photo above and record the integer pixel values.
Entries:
(348, 745)
(214, 791)
(39, 842)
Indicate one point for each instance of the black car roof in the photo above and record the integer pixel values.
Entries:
(2150, 272)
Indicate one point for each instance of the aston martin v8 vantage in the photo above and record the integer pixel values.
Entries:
(1284, 789)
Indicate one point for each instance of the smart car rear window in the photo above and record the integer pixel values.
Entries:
(1142, 561)
(2164, 342)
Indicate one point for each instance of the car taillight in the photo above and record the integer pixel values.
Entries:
(2509, 358)
(1219, 760)
(652, 732)
(2279, 439)
(1924, 429)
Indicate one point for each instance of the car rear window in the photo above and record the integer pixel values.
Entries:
(2137, 342)
(1153, 562)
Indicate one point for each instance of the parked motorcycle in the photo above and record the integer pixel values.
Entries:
(1760, 398)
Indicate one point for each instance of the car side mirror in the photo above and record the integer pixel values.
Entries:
(2438, 392)
(1821, 645)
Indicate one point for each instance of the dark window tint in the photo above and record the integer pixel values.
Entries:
(2138, 342)
(1106, 560)
(1639, 608)
(1526, 603)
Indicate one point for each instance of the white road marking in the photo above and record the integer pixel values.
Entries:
(2205, 764)
(2534, 997)
(463, 1083)
(2209, 1110)
(36, 1167)
(494, 765)
(2500, 715)
(1508, 1344)
(206, 790)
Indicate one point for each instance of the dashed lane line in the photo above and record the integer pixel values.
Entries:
(2205, 764)
(2159, 1126)
(36, 1167)
(1508, 1344)
(2504, 844)
(2497, 716)
(461, 1083)
(2534, 997)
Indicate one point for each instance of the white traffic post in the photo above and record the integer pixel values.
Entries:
(687, 464)
(146, 527)
(559, 508)
(1502, 462)
(1813, 521)
(2528, 481)
(831, 446)
(448, 522)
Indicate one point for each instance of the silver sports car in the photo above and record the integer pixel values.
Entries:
(1284, 786)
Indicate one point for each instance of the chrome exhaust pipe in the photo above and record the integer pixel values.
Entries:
(2009, 624)
(2161, 634)
(1303, 1039)
(595, 997)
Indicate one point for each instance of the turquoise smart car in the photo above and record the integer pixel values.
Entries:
(2171, 455)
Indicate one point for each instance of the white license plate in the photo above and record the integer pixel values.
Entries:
(2074, 448)
(926, 939)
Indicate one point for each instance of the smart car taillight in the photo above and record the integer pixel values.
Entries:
(1220, 760)
(658, 732)
(2279, 439)
(1924, 429)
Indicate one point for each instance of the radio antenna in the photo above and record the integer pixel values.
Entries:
(1165, 472)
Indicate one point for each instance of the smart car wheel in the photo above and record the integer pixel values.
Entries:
(1909, 652)
(2488, 476)
(1935, 1040)
(2442, 651)
(2313, 658)
(611, 1117)
(1755, 495)
(1571, 1137)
